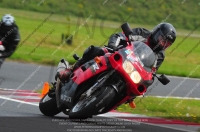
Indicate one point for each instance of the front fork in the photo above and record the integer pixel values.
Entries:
(102, 81)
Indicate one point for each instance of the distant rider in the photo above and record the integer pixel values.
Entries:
(9, 37)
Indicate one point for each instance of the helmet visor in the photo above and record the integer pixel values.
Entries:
(164, 43)
(162, 40)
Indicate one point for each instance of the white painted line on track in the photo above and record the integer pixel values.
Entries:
(15, 100)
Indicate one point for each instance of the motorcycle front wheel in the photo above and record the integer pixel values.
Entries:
(91, 105)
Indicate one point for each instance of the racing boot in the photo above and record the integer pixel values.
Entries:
(64, 75)
(63, 71)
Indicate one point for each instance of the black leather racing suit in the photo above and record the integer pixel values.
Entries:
(10, 39)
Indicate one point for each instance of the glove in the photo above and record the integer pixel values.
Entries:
(2, 48)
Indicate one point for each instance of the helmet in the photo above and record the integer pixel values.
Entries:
(7, 22)
(163, 36)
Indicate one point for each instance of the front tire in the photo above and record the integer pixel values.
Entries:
(91, 105)
(48, 106)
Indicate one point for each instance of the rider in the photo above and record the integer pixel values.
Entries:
(9, 37)
(159, 39)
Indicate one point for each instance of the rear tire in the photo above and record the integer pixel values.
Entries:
(48, 106)
(91, 105)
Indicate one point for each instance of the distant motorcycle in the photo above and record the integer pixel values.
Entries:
(105, 82)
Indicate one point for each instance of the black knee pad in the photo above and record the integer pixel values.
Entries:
(92, 52)
(87, 52)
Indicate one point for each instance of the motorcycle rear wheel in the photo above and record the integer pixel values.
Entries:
(91, 105)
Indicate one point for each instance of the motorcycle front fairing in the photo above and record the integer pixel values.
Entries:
(135, 63)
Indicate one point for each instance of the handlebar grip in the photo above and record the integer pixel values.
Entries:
(126, 29)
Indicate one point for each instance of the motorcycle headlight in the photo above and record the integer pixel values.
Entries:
(135, 76)
(130, 70)
(128, 67)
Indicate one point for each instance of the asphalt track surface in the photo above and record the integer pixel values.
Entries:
(22, 117)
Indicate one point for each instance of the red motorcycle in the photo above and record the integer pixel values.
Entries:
(105, 82)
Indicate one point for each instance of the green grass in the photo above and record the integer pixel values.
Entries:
(187, 109)
(175, 63)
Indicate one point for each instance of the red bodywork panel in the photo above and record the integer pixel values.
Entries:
(132, 87)
(81, 76)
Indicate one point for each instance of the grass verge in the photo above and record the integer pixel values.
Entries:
(182, 109)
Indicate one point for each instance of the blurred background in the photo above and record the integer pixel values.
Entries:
(51, 30)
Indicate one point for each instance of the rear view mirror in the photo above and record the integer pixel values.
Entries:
(163, 79)
(126, 29)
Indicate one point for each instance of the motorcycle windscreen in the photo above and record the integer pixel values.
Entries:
(145, 55)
